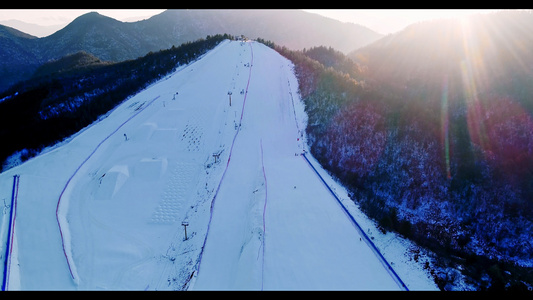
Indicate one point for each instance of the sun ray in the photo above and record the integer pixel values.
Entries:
(470, 67)
(445, 126)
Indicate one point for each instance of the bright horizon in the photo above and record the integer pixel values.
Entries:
(383, 21)
(386, 21)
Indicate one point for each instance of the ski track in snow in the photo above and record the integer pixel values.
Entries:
(105, 210)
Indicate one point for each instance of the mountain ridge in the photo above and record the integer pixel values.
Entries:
(32, 29)
(113, 40)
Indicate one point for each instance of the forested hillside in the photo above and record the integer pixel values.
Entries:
(74, 91)
(432, 131)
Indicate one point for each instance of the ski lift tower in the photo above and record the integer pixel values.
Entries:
(185, 224)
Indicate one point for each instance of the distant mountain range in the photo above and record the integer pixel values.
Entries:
(33, 29)
(111, 40)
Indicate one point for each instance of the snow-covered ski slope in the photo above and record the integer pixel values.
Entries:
(106, 211)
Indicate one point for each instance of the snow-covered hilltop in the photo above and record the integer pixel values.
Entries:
(195, 183)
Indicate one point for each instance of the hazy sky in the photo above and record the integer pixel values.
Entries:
(383, 21)
(387, 21)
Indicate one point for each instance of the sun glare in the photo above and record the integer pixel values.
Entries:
(498, 125)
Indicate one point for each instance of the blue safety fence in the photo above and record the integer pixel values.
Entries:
(361, 231)
(9, 242)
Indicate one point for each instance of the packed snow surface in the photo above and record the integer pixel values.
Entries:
(196, 183)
